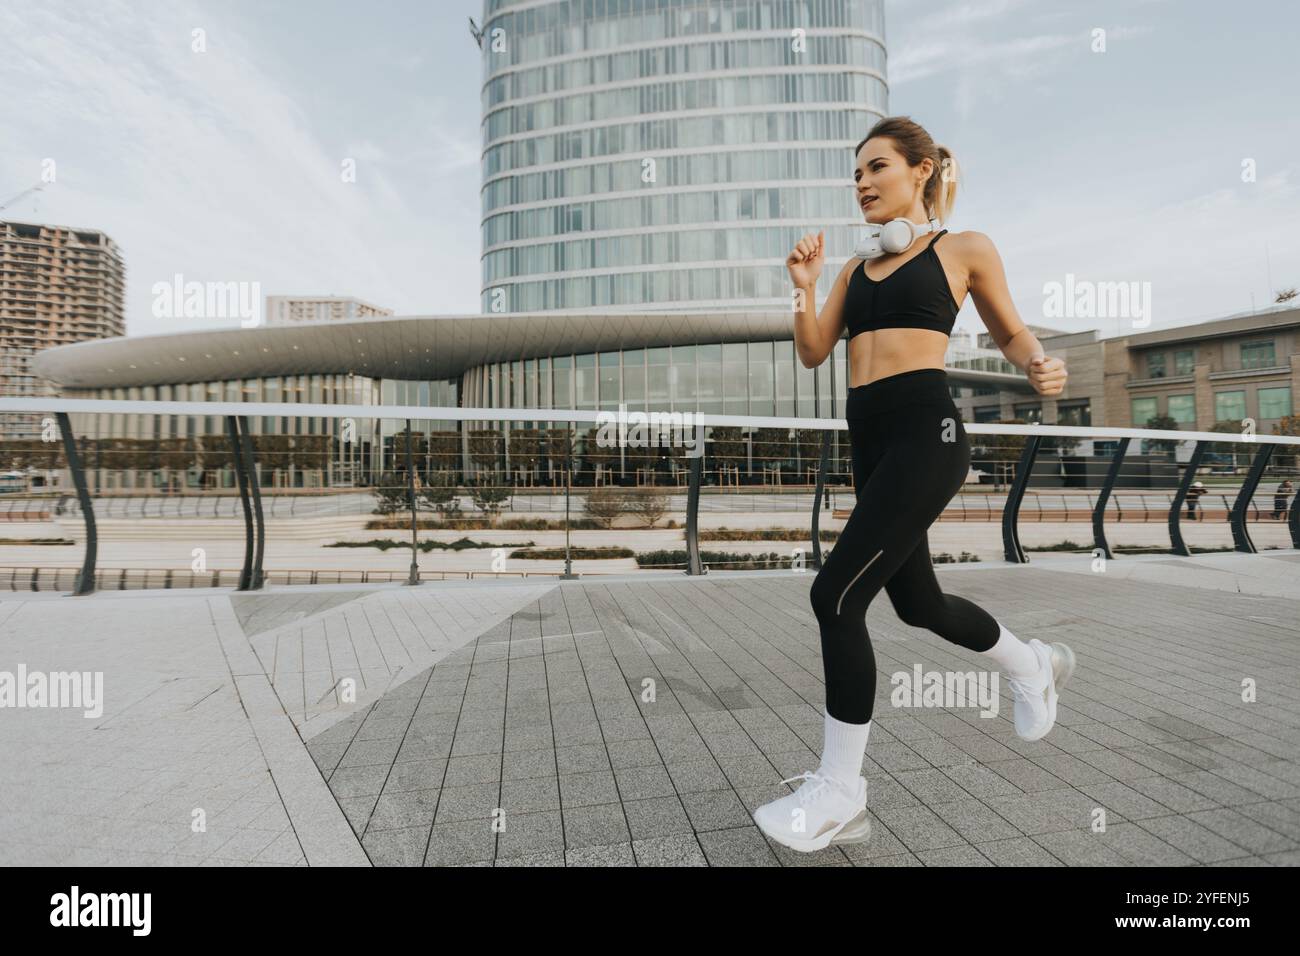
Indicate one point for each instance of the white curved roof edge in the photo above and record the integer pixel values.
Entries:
(426, 347)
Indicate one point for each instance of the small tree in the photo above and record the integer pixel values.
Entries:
(729, 451)
(485, 446)
(558, 449)
(215, 456)
(603, 459)
(773, 447)
(444, 452)
(489, 498)
(604, 504)
(1164, 446)
(391, 493)
(273, 456)
(526, 452)
(808, 447)
(1285, 455)
(440, 494)
(647, 504)
(643, 460)
(419, 451)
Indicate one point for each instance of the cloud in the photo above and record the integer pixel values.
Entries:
(201, 162)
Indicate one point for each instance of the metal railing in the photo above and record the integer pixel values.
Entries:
(242, 453)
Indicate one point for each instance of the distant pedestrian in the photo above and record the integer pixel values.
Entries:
(1279, 500)
(1193, 493)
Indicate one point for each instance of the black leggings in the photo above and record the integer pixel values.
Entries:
(911, 454)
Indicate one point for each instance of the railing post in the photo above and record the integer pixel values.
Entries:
(1099, 512)
(414, 576)
(1011, 549)
(823, 463)
(570, 439)
(246, 572)
(1175, 510)
(255, 489)
(85, 582)
(1293, 520)
(1240, 536)
(693, 564)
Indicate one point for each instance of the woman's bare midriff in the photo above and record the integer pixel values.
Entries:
(886, 352)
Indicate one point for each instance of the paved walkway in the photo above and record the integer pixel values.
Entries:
(628, 721)
(198, 755)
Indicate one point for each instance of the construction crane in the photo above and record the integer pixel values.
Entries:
(26, 192)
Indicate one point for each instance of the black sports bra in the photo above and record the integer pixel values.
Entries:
(919, 298)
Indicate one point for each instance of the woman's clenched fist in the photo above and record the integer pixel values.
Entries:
(804, 263)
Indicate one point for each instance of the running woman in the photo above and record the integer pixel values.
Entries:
(910, 453)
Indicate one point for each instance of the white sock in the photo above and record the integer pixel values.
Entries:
(1015, 658)
(845, 746)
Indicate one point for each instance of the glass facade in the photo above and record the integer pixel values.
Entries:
(1258, 355)
(732, 378)
(1229, 406)
(1143, 410)
(1275, 402)
(648, 155)
(336, 458)
(1182, 409)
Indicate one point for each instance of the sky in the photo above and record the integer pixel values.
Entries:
(1122, 164)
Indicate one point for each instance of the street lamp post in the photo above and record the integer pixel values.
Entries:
(568, 472)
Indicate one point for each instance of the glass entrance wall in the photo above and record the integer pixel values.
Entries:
(733, 378)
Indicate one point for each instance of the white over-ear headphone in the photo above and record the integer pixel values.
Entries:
(897, 235)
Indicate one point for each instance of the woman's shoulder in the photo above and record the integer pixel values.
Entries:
(968, 240)
(970, 249)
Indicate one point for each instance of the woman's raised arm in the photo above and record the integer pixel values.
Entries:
(814, 336)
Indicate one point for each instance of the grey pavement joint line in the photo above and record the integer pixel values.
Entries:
(704, 683)
(603, 742)
(322, 830)
(405, 732)
(442, 785)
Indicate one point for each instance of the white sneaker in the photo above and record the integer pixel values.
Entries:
(811, 817)
(1035, 698)
(857, 830)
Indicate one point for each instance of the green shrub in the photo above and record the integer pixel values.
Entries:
(586, 554)
(765, 534)
(478, 523)
(721, 560)
(460, 544)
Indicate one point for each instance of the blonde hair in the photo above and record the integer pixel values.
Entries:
(912, 140)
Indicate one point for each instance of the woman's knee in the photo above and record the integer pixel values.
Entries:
(914, 613)
(820, 596)
(917, 610)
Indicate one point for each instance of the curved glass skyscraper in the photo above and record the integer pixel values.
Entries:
(646, 155)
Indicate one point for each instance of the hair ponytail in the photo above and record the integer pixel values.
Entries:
(944, 183)
(916, 145)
